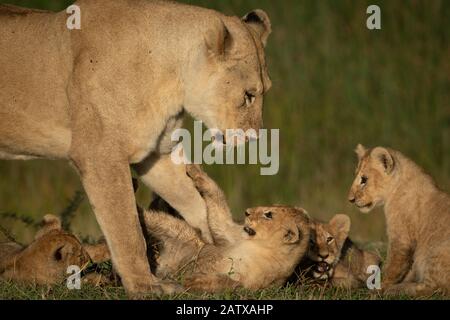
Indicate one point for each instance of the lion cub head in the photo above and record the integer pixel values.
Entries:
(327, 240)
(374, 179)
(226, 81)
(46, 259)
(277, 225)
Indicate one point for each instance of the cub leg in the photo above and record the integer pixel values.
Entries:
(98, 252)
(220, 220)
(429, 274)
(107, 183)
(409, 288)
(398, 263)
(166, 227)
(170, 181)
(210, 283)
(180, 242)
(344, 278)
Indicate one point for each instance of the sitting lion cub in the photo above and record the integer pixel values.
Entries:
(262, 252)
(417, 218)
(46, 259)
(336, 258)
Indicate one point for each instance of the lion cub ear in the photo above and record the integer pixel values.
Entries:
(340, 224)
(49, 223)
(259, 21)
(384, 157)
(360, 151)
(292, 235)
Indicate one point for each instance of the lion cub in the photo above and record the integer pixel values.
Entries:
(417, 218)
(46, 259)
(262, 252)
(336, 258)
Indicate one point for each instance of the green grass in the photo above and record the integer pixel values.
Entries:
(14, 291)
(336, 84)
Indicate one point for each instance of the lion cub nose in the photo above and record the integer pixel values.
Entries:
(352, 199)
(323, 256)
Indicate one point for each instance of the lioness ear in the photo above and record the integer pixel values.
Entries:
(291, 236)
(218, 40)
(340, 223)
(385, 158)
(259, 21)
(360, 151)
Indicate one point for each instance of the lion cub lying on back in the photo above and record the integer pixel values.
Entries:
(46, 259)
(417, 219)
(261, 253)
(335, 257)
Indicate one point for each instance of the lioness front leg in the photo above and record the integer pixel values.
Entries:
(170, 181)
(107, 183)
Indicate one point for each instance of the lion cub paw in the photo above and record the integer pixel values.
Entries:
(158, 288)
(203, 183)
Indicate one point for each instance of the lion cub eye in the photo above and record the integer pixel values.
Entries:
(364, 180)
(268, 215)
(330, 239)
(249, 98)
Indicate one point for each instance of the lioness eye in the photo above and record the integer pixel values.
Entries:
(249, 98)
(364, 180)
(268, 215)
(329, 239)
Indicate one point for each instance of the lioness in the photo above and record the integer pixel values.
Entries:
(110, 94)
(417, 218)
(46, 259)
(262, 252)
(336, 258)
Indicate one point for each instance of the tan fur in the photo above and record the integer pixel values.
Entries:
(46, 259)
(338, 260)
(417, 218)
(239, 258)
(111, 93)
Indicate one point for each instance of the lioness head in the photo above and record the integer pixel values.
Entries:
(227, 77)
(374, 176)
(277, 225)
(326, 244)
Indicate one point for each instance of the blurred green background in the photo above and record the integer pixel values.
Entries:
(336, 84)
